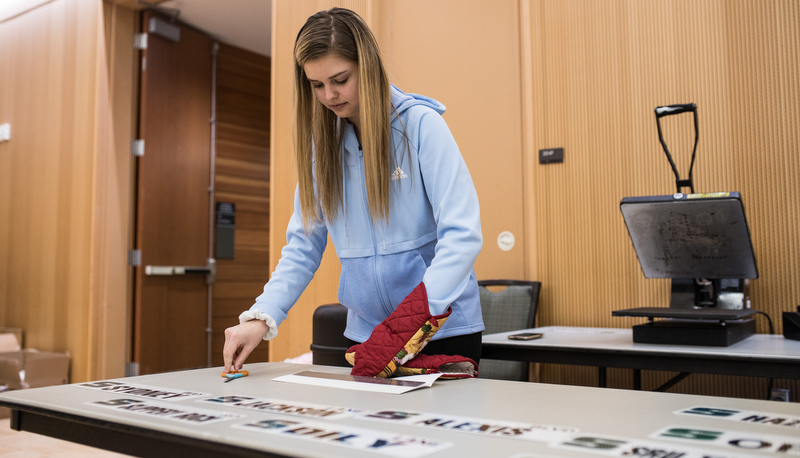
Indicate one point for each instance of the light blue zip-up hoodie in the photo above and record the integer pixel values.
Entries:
(433, 233)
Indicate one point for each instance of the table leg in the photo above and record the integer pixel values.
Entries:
(601, 375)
(673, 381)
(637, 379)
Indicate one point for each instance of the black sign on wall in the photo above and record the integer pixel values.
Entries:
(225, 233)
(548, 156)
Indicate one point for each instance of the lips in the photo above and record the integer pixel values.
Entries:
(338, 107)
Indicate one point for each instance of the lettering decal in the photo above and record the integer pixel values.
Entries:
(595, 443)
(496, 428)
(485, 427)
(746, 416)
(624, 447)
(374, 441)
(168, 411)
(736, 440)
(299, 409)
(694, 434)
(164, 394)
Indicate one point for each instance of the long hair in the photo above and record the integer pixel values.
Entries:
(343, 33)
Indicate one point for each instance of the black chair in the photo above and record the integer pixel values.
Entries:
(328, 343)
(508, 310)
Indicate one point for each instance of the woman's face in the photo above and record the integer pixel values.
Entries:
(335, 83)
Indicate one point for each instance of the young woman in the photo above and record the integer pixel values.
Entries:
(381, 173)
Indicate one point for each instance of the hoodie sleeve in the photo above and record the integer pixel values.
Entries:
(300, 259)
(454, 201)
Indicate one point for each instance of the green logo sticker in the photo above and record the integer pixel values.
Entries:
(711, 412)
(597, 443)
(693, 434)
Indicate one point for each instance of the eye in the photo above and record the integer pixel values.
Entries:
(341, 82)
(316, 85)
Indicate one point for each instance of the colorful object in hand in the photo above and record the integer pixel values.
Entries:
(235, 374)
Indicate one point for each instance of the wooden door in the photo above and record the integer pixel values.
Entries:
(173, 193)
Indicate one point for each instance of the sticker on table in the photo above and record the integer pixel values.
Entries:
(484, 427)
(167, 411)
(373, 441)
(300, 409)
(396, 385)
(745, 416)
(151, 392)
(738, 440)
(624, 447)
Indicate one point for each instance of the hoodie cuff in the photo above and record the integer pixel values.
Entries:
(272, 327)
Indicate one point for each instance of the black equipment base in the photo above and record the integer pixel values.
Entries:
(694, 332)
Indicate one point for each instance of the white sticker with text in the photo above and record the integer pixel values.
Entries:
(494, 428)
(167, 411)
(300, 409)
(373, 441)
(738, 440)
(624, 447)
(152, 392)
(745, 416)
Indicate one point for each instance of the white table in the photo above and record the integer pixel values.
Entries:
(633, 417)
(759, 355)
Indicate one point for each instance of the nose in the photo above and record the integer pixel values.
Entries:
(330, 92)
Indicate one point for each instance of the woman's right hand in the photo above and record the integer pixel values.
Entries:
(240, 340)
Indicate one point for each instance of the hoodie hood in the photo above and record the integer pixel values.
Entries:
(403, 101)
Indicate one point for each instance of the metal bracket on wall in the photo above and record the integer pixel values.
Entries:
(140, 41)
(135, 258)
(137, 148)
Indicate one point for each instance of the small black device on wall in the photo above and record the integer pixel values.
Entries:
(547, 156)
(225, 230)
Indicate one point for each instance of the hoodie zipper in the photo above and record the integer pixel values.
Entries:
(376, 270)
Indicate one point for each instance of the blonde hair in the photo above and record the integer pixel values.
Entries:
(343, 33)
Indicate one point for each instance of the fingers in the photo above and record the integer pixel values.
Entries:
(238, 362)
(229, 351)
(232, 351)
(240, 341)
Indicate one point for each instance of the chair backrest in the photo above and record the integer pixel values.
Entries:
(510, 309)
(328, 343)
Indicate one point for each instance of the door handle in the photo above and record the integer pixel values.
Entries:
(209, 270)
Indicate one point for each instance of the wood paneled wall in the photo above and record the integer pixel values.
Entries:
(242, 172)
(120, 24)
(597, 71)
(63, 189)
(432, 48)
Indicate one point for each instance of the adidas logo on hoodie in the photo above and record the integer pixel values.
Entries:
(398, 173)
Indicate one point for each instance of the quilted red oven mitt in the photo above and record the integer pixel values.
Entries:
(396, 340)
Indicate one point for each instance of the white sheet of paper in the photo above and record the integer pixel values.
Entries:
(397, 385)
